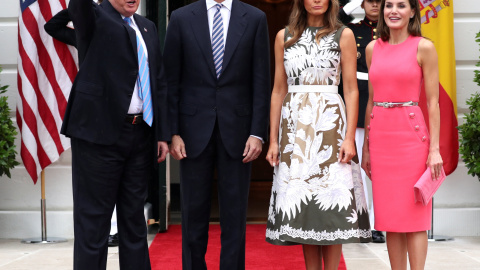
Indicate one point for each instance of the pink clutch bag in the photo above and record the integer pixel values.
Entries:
(426, 187)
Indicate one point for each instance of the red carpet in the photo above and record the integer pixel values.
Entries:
(166, 251)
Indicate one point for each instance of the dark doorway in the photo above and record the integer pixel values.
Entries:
(277, 12)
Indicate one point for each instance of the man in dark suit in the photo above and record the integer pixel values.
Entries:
(116, 118)
(217, 62)
(57, 27)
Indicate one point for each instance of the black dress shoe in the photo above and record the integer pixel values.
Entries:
(378, 237)
(113, 240)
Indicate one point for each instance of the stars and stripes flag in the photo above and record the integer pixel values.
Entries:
(437, 25)
(46, 70)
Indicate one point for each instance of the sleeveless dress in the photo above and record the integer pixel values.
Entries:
(398, 138)
(315, 199)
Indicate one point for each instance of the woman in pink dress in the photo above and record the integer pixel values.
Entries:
(397, 147)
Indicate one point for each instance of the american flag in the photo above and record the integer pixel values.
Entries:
(46, 70)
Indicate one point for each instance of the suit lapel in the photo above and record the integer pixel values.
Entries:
(133, 37)
(201, 32)
(236, 28)
(145, 35)
(118, 18)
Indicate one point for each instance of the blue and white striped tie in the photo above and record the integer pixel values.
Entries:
(143, 80)
(217, 40)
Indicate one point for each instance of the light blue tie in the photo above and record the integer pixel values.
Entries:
(217, 40)
(143, 80)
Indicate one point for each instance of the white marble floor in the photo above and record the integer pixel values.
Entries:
(463, 253)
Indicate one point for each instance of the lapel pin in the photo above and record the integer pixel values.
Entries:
(145, 29)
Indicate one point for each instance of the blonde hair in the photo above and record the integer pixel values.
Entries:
(298, 21)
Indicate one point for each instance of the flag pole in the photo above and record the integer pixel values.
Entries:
(432, 237)
(43, 209)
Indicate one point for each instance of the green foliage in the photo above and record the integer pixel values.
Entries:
(476, 78)
(470, 133)
(7, 136)
(470, 130)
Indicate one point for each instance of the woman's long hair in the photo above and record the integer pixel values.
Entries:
(414, 25)
(298, 21)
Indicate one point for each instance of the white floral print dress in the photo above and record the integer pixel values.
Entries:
(315, 200)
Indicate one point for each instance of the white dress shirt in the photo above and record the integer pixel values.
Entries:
(224, 11)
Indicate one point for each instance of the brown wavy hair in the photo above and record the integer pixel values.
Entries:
(298, 21)
(414, 25)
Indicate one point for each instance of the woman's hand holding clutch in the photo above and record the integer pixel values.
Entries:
(435, 163)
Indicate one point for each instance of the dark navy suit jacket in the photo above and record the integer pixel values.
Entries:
(57, 28)
(102, 91)
(238, 101)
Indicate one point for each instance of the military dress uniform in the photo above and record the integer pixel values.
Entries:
(364, 31)
(342, 15)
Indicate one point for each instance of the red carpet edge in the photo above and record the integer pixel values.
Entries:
(166, 251)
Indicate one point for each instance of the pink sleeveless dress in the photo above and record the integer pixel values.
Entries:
(398, 139)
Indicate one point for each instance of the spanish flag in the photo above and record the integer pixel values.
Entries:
(437, 25)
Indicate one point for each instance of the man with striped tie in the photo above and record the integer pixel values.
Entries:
(217, 63)
(117, 121)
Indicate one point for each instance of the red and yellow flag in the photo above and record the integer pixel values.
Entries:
(437, 25)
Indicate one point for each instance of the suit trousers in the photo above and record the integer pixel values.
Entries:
(196, 187)
(105, 175)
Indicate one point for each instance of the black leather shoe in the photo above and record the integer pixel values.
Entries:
(378, 237)
(113, 240)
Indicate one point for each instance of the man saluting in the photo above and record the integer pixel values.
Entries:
(116, 119)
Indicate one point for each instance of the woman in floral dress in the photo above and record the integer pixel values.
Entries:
(317, 195)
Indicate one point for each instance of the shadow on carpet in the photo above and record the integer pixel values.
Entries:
(166, 251)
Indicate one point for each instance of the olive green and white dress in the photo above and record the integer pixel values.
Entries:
(315, 199)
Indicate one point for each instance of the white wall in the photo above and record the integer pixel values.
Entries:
(458, 200)
(457, 203)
